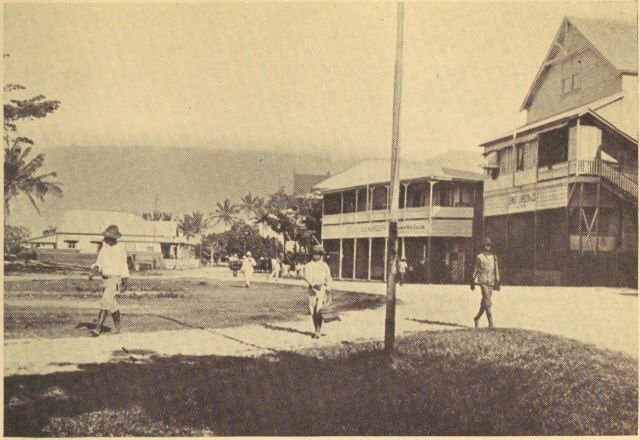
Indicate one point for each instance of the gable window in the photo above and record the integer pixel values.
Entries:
(520, 152)
(71, 244)
(571, 74)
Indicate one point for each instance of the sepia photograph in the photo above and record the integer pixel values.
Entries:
(320, 219)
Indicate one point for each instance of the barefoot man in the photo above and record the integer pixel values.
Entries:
(112, 266)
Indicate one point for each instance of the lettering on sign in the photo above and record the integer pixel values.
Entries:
(373, 228)
(521, 202)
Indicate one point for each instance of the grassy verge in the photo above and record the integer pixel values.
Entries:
(462, 382)
(66, 307)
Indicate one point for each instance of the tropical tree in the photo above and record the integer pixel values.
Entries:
(20, 173)
(13, 237)
(194, 224)
(157, 216)
(251, 206)
(226, 213)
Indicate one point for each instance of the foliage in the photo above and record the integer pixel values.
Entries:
(242, 238)
(50, 230)
(20, 178)
(194, 224)
(157, 216)
(19, 174)
(298, 220)
(252, 206)
(226, 212)
(13, 236)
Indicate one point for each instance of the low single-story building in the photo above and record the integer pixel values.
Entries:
(157, 244)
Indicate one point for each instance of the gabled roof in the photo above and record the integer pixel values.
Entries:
(453, 165)
(616, 41)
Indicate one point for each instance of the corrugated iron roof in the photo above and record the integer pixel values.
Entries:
(83, 221)
(615, 40)
(453, 165)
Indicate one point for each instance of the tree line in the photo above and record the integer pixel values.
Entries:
(294, 219)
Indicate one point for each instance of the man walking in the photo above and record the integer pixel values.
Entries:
(248, 266)
(487, 275)
(112, 266)
(318, 277)
(402, 270)
(275, 269)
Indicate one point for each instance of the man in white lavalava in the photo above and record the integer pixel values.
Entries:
(111, 265)
(248, 266)
(318, 277)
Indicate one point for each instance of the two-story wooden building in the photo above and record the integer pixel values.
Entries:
(561, 192)
(440, 212)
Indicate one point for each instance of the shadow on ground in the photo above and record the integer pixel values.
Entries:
(459, 382)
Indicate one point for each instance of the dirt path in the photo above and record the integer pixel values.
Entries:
(607, 318)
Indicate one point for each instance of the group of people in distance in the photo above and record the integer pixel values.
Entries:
(111, 267)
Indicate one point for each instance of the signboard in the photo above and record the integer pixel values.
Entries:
(521, 202)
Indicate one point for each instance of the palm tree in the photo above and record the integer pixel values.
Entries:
(225, 213)
(157, 216)
(194, 224)
(19, 175)
(252, 206)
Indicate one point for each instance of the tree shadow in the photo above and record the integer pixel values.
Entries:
(92, 325)
(287, 329)
(448, 324)
(282, 394)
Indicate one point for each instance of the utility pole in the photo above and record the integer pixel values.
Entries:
(392, 248)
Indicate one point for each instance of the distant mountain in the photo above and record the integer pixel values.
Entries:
(182, 179)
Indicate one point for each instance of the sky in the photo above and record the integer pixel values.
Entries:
(293, 76)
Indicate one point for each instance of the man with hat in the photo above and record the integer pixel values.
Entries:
(112, 266)
(318, 276)
(248, 266)
(486, 274)
(402, 270)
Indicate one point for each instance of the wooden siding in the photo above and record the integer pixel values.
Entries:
(526, 199)
(599, 79)
(409, 228)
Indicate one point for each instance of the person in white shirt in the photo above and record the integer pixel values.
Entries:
(248, 266)
(402, 270)
(112, 266)
(318, 276)
(275, 269)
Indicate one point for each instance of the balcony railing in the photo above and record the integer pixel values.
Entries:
(600, 168)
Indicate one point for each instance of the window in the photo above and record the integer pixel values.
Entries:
(362, 200)
(71, 244)
(332, 203)
(571, 74)
(349, 201)
(553, 147)
(379, 198)
(520, 151)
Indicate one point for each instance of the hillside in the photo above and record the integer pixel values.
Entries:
(182, 179)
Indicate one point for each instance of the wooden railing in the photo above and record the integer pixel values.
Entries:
(599, 168)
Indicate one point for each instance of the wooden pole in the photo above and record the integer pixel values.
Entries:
(392, 248)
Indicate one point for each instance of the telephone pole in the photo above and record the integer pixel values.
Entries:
(392, 247)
